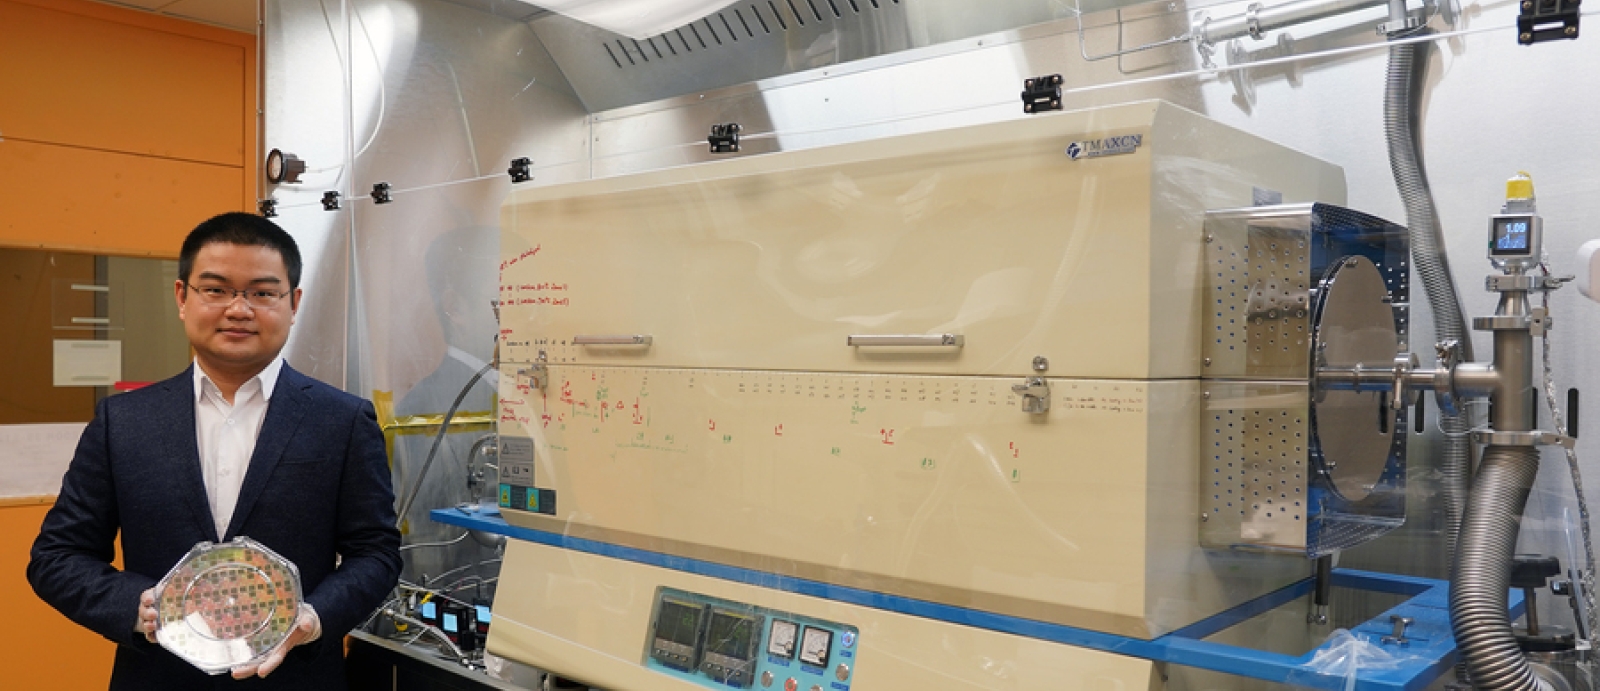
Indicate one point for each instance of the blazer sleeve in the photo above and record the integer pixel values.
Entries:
(368, 541)
(70, 563)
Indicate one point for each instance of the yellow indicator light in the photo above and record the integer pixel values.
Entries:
(1520, 186)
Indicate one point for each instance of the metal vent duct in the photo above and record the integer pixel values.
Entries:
(758, 39)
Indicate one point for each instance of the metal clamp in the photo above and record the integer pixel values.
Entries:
(1532, 438)
(1402, 396)
(1503, 283)
(1412, 21)
(1502, 322)
(1398, 637)
(1540, 322)
(1448, 352)
(1252, 20)
(915, 340)
(613, 340)
(1035, 393)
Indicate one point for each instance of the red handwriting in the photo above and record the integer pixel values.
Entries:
(638, 415)
(513, 261)
(534, 287)
(553, 302)
(1014, 450)
(566, 392)
(888, 436)
(546, 418)
(778, 431)
(713, 425)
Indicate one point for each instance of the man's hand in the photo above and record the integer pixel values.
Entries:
(148, 616)
(307, 628)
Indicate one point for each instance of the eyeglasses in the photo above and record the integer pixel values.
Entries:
(219, 296)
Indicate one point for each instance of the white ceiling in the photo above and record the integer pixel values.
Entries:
(239, 15)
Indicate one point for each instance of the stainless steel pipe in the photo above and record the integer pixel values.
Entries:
(1260, 19)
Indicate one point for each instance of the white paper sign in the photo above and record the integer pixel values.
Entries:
(34, 457)
(87, 363)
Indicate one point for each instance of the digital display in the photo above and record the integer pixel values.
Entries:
(483, 614)
(730, 635)
(430, 611)
(678, 623)
(781, 642)
(1512, 236)
(815, 647)
(451, 624)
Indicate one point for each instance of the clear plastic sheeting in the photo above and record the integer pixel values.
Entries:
(675, 331)
(1345, 655)
(432, 100)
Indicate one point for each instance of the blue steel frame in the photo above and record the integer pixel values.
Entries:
(1430, 652)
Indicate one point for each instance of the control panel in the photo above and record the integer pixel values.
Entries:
(719, 643)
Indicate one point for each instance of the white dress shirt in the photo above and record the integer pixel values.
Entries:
(226, 435)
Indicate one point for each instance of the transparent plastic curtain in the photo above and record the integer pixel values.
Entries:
(439, 108)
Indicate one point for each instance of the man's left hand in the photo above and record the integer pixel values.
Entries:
(307, 628)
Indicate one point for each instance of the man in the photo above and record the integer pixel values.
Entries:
(238, 445)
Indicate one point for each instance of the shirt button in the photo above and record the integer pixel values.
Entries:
(230, 422)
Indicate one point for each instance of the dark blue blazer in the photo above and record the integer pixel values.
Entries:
(317, 492)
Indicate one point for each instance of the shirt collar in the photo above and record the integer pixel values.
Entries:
(268, 377)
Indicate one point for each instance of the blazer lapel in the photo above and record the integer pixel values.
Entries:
(284, 412)
(183, 444)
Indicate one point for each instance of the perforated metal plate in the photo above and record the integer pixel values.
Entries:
(227, 605)
(1355, 326)
(1257, 321)
(1255, 475)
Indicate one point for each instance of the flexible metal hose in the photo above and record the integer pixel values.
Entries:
(1479, 589)
(1405, 79)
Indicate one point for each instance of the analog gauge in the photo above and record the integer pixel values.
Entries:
(815, 646)
(781, 642)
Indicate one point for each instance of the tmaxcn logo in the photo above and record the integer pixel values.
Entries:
(1109, 146)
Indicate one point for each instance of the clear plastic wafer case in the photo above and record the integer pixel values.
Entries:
(225, 605)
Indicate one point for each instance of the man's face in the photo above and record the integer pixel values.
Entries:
(236, 336)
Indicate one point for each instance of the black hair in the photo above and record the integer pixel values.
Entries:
(239, 228)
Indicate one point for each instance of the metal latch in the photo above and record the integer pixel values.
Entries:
(539, 374)
(1035, 393)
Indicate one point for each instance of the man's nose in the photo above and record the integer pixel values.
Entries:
(238, 308)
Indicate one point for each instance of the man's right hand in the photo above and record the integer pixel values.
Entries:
(148, 616)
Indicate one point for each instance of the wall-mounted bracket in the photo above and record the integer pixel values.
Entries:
(521, 170)
(380, 193)
(268, 208)
(1041, 93)
(724, 139)
(330, 201)
(1547, 20)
